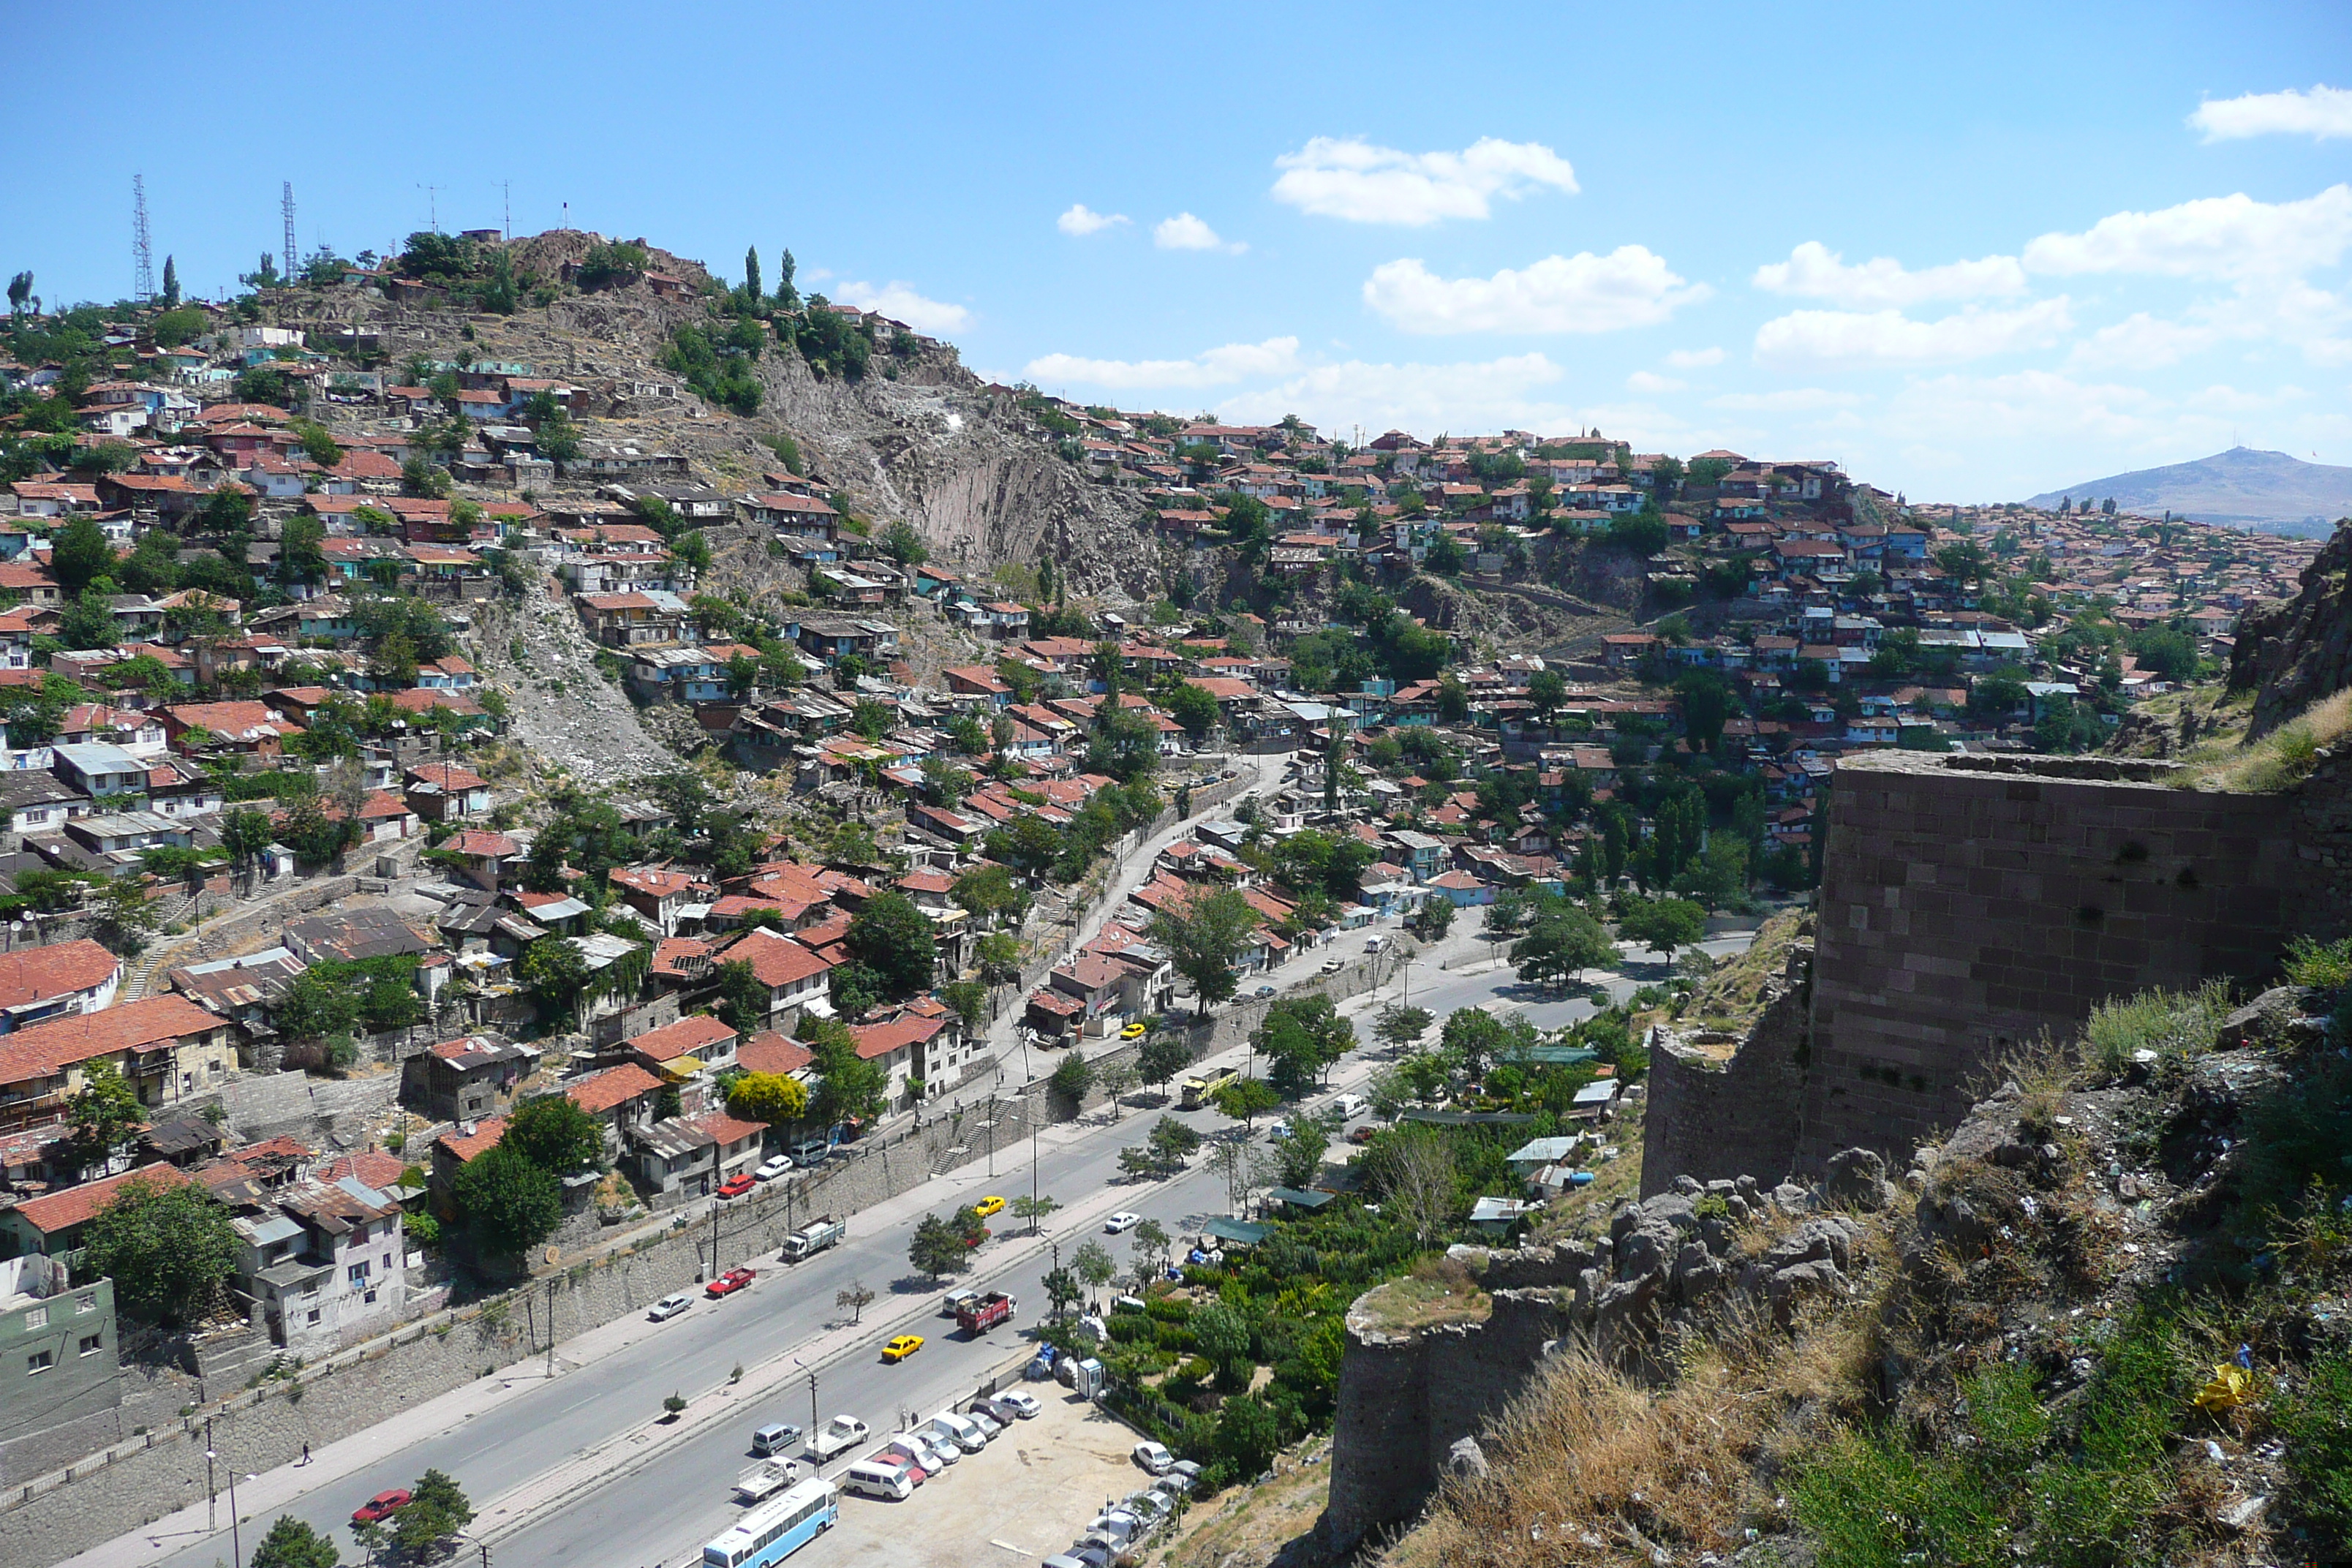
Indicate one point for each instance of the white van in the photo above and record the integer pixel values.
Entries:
(868, 1479)
(960, 1430)
(1350, 1105)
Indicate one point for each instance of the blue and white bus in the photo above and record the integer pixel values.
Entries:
(775, 1529)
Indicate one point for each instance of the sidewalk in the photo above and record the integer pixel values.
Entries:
(264, 1496)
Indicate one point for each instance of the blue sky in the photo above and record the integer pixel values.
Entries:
(1972, 252)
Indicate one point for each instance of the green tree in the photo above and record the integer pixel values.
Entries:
(1400, 1025)
(903, 544)
(554, 1134)
(104, 1118)
(555, 973)
(774, 1097)
(1561, 940)
(1707, 703)
(510, 1204)
(79, 554)
(291, 1543)
(1172, 1141)
(1299, 1158)
(1203, 936)
(742, 997)
(753, 297)
(1033, 1208)
(1664, 924)
(1192, 707)
(1062, 1291)
(894, 939)
(1300, 1037)
(1160, 1057)
(938, 1247)
(1435, 918)
(1092, 1262)
(436, 1511)
(1245, 1100)
(167, 1245)
(169, 299)
(848, 1086)
(1073, 1077)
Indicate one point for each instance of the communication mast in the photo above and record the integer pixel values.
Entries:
(285, 208)
(142, 253)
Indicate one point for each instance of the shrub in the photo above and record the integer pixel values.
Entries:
(2317, 1425)
(2323, 966)
(2169, 1023)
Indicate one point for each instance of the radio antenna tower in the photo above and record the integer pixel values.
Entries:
(142, 253)
(285, 208)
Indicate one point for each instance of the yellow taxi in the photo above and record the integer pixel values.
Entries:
(1133, 1032)
(902, 1347)
(989, 1207)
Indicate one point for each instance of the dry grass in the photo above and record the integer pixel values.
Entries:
(1731, 997)
(2280, 760)
(1593, 1468)
(1438, 1290)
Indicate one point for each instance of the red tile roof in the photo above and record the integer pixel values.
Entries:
(698, 1032)
(481, 1141)
(770, 1051)
(47, 1048)
(37, 974)
(610, 1087)
(62, 1211)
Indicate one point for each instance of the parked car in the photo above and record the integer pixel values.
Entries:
(1122, 1222)
(1263, 991)
(727, 1284)
(1363, 1134)
(989, 1207)
(380, 1506)
(1333, 965)
(1154, 1458)
(669, 1306)
(775, 1166)
(902, 1346)
(1133, 1032)
(1185, 1473)
(1023, 1405)
(736, 1186)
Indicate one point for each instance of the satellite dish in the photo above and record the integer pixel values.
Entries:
(553, 1253)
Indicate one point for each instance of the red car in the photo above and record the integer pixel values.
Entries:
(382, 1506)
(736, 1186)
(727, 1284)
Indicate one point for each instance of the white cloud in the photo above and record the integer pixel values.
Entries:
(1347, 177)
(1788, 400)
(1816, 272)
(1217, 367)
(2322, 113)
(1630, 287)
(2287, 311)
(900, 302)
(1186, 232)
(1891, 338)
(2231, 237)
(2142, 341)
(1651, 382)
(1694, 359)
(1081, 219)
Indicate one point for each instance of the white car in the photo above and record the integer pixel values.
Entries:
(669, 1306)
(1333, 965)
(1121, 1221)
(1154, 1458)
(774, 1168)
(1022, 1404)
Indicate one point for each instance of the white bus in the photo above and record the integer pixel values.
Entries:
(774, 1531)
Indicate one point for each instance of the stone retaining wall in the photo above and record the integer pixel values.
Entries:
(1708, 1117)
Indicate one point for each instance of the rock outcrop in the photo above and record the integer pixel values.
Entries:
(2292, 652)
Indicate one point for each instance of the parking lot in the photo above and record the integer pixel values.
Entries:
(1025, 1496)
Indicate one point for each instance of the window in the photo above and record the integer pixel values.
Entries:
(86, 1302)
(38, 1364)
(314, 1315)
(92, 1343)
(38, 1318)
(358, 1273)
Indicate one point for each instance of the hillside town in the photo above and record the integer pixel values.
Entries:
(303, 942)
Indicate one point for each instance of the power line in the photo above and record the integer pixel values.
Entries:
(142, 252)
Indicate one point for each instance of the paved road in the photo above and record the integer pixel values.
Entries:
(660, 1512)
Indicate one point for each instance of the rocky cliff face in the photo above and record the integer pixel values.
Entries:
(2292, 652)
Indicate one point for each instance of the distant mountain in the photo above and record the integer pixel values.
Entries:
(2241, 488)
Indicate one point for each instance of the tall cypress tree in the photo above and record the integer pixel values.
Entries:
(171, 285)
(752, 275)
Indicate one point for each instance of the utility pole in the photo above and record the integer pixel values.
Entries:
(433, 204)
(992, 1135)
(812, 1404)
(551, 1349)
(236, 1542)
(506, 193)
(212, 1490)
